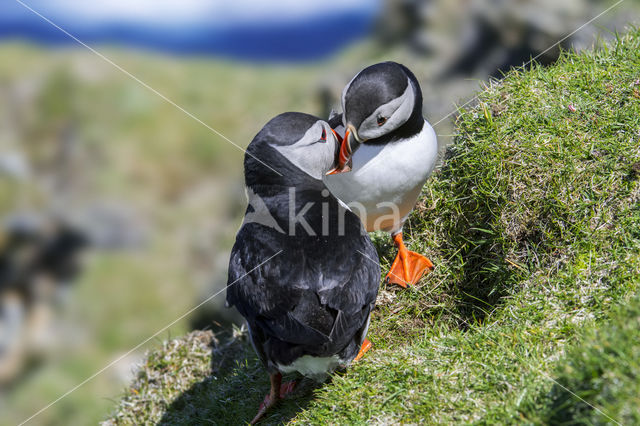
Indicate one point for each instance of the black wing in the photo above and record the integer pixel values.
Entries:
(316, 294)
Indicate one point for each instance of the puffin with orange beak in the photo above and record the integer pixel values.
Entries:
(390, 151)
(300, 271)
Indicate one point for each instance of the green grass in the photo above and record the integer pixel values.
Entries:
(599, 380)
(533, 223)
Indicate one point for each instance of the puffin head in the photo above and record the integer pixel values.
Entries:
(381, 101)
(298, 145)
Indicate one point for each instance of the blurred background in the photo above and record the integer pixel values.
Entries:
(118, 210)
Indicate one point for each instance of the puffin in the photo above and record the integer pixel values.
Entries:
(390, 150)
(300, 271)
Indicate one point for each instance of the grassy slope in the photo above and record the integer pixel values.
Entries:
(534, 226)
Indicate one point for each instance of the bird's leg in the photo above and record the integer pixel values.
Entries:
(271, 399)
(408, 266)
(278, 391)
(366, 345)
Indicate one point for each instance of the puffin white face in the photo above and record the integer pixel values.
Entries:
(315, 152)
(388, 117)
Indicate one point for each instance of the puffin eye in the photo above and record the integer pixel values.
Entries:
(324, 135)
(382, 120)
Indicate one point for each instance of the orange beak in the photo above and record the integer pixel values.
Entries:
(344, 156)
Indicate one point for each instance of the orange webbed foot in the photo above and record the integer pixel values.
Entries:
(366, 345)
(408, 266)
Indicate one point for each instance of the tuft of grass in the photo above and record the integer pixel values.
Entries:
(171, 370)
(533, 224)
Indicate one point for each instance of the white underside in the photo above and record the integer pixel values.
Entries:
(386, 180)
(314, 367)
(318, 367)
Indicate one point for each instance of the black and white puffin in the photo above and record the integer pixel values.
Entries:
(300, 270)
(391, 151)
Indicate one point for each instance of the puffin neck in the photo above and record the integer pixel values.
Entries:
(265, 181)
(293, 191)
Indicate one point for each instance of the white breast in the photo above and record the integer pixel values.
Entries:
(386, 180)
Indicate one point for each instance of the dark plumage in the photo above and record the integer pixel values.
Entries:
(315, 294)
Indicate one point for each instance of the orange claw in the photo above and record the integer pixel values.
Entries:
(366, 345)
(408, 266)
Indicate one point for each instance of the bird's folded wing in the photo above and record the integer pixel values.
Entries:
(290, 329)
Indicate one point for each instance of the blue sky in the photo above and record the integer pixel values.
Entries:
(192, 25)
(171, 12)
